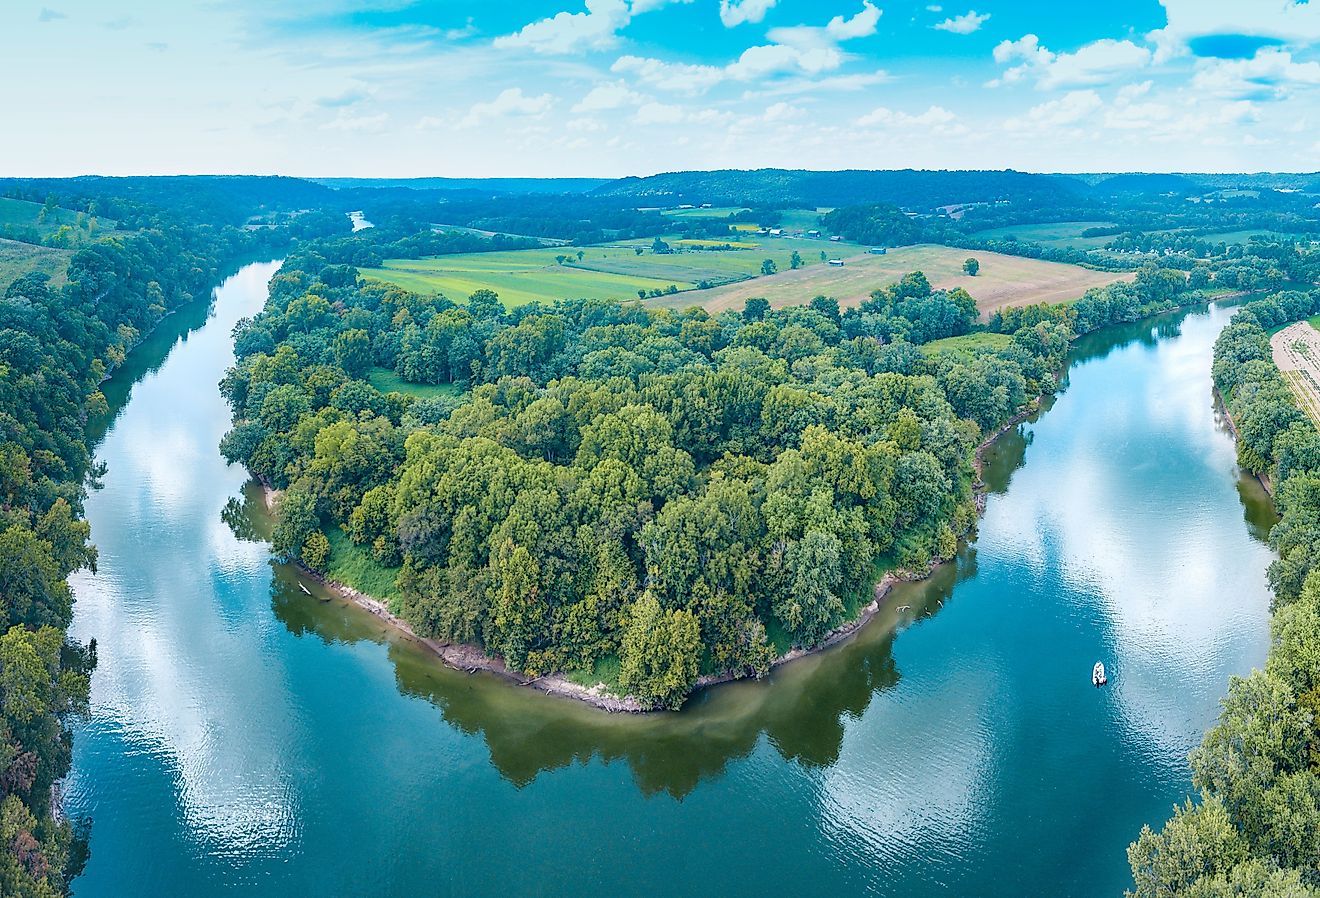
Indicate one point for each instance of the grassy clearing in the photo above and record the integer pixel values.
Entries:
(612, 271)
(1058, 234)
(790, 219)
(18, 259)
(1243, 237)
(605, 670)
(387, 381)
(713, 212)
(983, 340)
(1003, 280)
(354, 566)
(22, 220)
(801, 219)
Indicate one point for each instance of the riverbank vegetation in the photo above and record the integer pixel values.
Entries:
(1255, 828)
(58, 341)
(617, 488)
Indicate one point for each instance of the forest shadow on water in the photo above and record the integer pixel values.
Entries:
(801, 707)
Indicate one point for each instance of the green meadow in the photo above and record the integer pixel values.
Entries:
(23, 220)
(981, 340)
(612, 271)
(713, 212)
(1058, 234)
(18, 259)
(387, 381)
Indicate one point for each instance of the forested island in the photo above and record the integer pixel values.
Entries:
(633, 497)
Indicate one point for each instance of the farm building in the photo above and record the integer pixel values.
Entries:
(813, 233)
(776, 232)
(877, 250)
(837, 263)
(836, 238)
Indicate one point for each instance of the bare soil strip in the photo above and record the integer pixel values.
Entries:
(1297, 356)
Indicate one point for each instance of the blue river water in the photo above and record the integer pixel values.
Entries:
(247, 738)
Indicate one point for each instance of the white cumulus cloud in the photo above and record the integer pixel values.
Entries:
(608, 96)
(1289, 21)
(1270, 74)
(1095, 63)
(882, 116)
(737, 12)
(576, 32)
(802, 50)
(964, 24)
(511, 102)
(1072, 108)
(679, 77)
(572, 32)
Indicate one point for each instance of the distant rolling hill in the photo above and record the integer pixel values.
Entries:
(487, 185)
(793, 187)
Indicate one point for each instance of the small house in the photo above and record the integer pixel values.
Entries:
(837, 263)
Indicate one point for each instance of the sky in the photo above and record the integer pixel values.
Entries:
(608, 88)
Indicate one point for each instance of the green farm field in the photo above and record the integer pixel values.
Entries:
(611, 271)
(1002, 281)
(790, 219)
(713, 212)
(1057, 234)
(18, 259)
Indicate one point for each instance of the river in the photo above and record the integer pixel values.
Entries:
(246, 738)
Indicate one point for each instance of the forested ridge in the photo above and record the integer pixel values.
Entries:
(56, 347)
(634, 495)
(1255, 828)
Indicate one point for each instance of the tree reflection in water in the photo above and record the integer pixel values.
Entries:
(800, 708)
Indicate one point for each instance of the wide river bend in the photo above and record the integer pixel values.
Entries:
(246, 738)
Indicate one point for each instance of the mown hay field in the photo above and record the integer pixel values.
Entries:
(1002, 280)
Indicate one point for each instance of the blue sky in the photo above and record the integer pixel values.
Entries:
(397, 88)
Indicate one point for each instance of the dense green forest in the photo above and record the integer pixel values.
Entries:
(625, 494)
(1256, 828)
(56, 347)
(648, 495)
